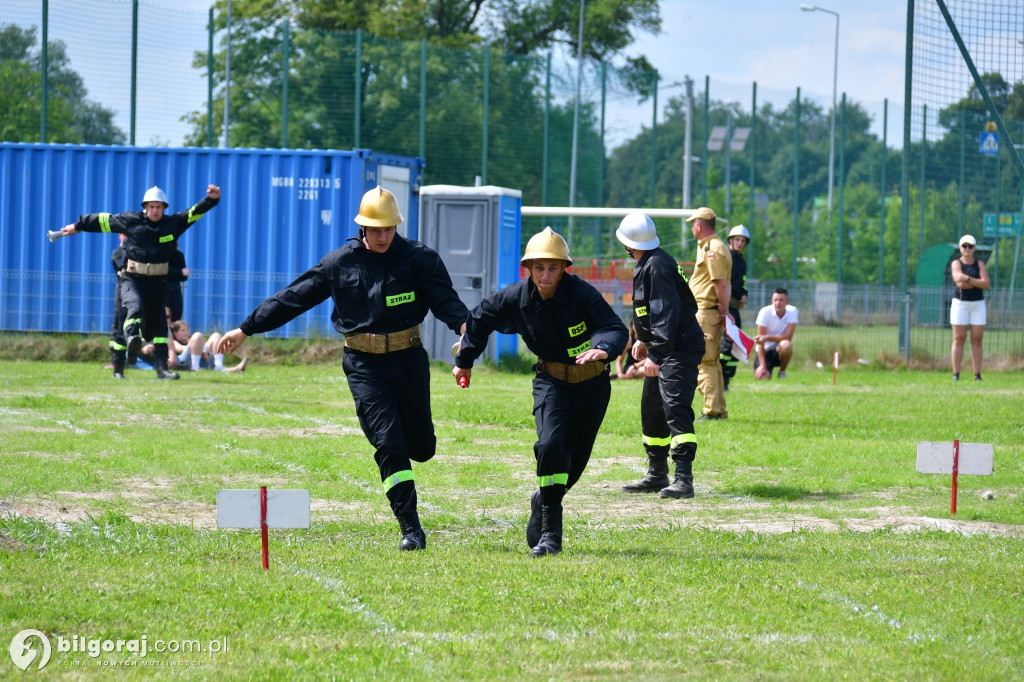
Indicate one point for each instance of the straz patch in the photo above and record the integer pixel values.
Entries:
(167, 238)
(582, 348)
(578, 329)
(399, 299)
(641, 311)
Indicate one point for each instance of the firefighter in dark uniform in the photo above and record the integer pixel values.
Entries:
(739, 237)
(573, 331)
(671, 340)
(382, 285)
(177, 272)
(118, 258)
(148, 248)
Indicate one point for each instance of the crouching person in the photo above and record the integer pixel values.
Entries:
(573, 332)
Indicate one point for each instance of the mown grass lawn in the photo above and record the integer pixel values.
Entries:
(812, 550)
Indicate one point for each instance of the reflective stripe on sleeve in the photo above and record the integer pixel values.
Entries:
(134, 320)
(104, 222)
(159, 339)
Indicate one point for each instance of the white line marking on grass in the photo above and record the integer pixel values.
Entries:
(379, 624)
(870, 612)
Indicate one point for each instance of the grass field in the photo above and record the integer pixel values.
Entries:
(813, 550)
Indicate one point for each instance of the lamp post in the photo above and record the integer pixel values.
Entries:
(835, 74)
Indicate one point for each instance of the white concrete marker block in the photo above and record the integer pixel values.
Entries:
(241, 509)
(975, 459)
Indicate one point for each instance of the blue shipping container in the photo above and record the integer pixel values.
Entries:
(280, 212)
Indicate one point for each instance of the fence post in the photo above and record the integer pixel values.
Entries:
(210, 142)
(44, 68)
(842, 215)
(753, 139)
(547, 122)
(796, 181)
(135, 68)
(285, 68)
(704, 159)
(908, 80)
(487, 111)
(999, 201)
(963, 162)
(924, 165)
(357, 118)
(423, 99)
(885, 192)
(654, 138)
(600, 166)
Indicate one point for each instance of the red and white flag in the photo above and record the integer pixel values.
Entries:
(742, 345)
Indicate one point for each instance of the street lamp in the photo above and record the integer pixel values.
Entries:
(835, 73)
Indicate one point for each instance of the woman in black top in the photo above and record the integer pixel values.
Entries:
(968, 307)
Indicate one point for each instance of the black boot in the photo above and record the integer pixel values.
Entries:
(412, 532)
(533, 526)
(162, 372)
(682, 486)
(656, 478)
(119, 368)
(551, 531)
(403, 503)
(134, 346)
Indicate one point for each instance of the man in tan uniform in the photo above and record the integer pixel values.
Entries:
(711, 288)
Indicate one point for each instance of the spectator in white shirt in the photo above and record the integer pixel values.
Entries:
(775, 326)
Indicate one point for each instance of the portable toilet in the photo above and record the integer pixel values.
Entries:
(476, 231)
(935, 270)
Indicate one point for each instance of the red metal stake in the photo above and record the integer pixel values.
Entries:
(956, 466)
(263, 526)
(835, 366)
(463, 382)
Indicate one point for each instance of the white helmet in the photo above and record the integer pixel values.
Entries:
(154, 193)
(637, 232)
(739, 231)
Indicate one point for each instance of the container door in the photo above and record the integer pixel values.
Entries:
(457, 229)
(395, 179)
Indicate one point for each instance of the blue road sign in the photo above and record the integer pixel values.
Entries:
(988, 144)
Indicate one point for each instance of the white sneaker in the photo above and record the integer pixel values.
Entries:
(782, 374)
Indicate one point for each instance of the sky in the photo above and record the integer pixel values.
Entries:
(735, 42)
(776, 44)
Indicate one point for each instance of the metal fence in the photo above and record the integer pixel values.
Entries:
(905, 179)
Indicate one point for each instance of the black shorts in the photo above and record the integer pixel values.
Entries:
(771, 358)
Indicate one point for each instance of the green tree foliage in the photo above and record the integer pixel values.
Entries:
(326, 90)
(71, 117)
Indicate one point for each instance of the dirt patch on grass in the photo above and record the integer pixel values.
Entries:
(9, 544)
(604, 507)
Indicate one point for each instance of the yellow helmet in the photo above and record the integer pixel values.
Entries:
(379, 208)
(546, 244)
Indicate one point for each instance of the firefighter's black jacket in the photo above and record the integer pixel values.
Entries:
(663, 304)
(148, 242)
(739, 275)
(576, 319)
(377, 293)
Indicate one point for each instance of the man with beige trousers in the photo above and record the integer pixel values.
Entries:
(711, 288)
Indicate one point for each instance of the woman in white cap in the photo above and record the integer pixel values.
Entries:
(968, 307)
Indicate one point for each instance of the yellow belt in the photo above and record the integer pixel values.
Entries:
(573, 374)
(151, 269)
(384, 343)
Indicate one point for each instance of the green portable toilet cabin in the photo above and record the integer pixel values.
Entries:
(934, 270)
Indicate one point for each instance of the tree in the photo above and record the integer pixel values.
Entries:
(71, 117)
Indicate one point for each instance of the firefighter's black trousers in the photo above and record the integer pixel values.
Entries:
(392, 396)
(117, 345)
(666, 404)
(568, 417)
(143, 299)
